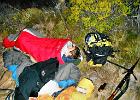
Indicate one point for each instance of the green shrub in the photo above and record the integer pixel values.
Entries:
(98, 15)
(29, 16)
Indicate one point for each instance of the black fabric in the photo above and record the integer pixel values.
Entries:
(28, 82)
(46, 70)
(99, 54)
(104, 50)
(18, 95)
(35, 76)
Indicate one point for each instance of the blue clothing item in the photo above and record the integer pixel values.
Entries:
(66, 83)
(71, 60)
(67, 59)
(13, 68)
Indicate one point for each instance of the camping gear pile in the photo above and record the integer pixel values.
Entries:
(44, 78)
(49, 78)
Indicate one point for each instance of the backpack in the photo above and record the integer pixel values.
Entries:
(98, 39)
(99, 47)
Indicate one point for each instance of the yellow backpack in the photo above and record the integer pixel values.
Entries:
(98, 48)
(83, 91)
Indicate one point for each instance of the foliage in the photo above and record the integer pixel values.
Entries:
(107, 16)
(131, 48)
(133, 18)
(128, 44)
(12, 22)
(101, 15)
(6, 22)
(29, 16)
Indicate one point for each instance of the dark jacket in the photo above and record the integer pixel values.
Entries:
(34, 77)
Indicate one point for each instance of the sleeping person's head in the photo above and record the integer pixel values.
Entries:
(74, 52)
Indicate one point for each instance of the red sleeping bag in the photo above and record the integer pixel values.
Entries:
(39, 48)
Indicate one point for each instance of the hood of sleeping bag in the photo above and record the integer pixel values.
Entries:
(86, 87)
(7, 42)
